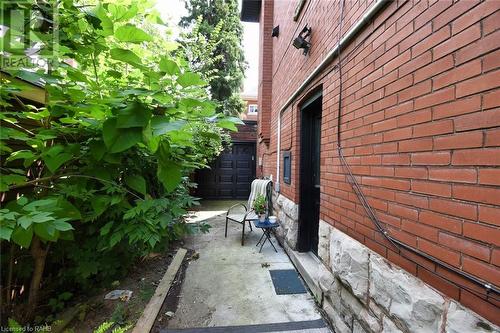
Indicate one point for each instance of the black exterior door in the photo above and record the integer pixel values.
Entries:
(231, 175)
(310, 177)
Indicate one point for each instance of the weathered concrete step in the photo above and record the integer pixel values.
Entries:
(309, 326)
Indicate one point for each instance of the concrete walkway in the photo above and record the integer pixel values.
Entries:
(230, 285)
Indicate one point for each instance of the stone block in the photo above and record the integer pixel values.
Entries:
(349, 261)
(357, 328)
(324, 242)
(326, 279)
(291, 209)
(389, 326)
(359, 310)
(375, 309)
(460, 319)
(292, 232)
(407, 299)
(337, 322)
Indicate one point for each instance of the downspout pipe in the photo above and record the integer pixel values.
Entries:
(360, 24)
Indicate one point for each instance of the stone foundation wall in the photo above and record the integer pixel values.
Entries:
(363, 292)
(288, 214)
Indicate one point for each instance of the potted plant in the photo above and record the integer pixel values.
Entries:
(259, 206)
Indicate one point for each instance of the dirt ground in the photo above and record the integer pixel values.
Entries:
(172, 300)
(142, 281)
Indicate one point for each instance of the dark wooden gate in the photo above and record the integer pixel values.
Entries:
(230, 175)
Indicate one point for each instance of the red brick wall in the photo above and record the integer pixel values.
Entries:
(248, 101)
(246, 132)
(420, 129)
(265, 69)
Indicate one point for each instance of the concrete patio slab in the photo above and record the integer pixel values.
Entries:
(209, 209)
(230, 284)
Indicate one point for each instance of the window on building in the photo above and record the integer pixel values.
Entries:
(252, 109)
(287, 167)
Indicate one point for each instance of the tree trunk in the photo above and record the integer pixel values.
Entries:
(8, 293)
(39, 255)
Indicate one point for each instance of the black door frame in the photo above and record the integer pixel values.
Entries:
(307, 240)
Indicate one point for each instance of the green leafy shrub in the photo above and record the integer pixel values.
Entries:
(97, 174)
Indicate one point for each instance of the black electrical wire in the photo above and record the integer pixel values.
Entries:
(373, 217)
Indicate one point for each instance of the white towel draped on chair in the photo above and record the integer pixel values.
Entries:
(258, 187)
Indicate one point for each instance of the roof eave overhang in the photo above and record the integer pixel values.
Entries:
(250, 10)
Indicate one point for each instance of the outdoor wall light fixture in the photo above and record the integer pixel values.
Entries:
(276, 31)
(300, 42)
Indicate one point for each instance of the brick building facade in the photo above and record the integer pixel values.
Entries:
(248, 131)
(420, 132)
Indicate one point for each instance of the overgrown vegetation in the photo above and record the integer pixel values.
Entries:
(98, 174)
(213, 46)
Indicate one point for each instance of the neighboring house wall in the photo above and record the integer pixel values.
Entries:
(248, 131)
(420, 129)
(251, 102)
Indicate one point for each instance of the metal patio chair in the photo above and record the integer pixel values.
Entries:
(258, 187)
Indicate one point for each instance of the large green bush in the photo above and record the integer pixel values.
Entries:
(97, 175)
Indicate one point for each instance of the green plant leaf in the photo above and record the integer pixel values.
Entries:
(190, 79)
(235, 120)
(67, 210)
(7, 180)
(162, 125)
(170, 175)
(25, 221)
(62, 225)
(169, 66)
(105, 230)
(137, 183)
(15, 326)
(76, 75)
(22, 201)
(5, 232)
(99, 203)
(97, 149)
(227, 124)
(118, 140)
(122, 13)
(106, 23)
(132, 34)
(42, 217)
(134, 115)
(115, 238)
(46, 231)
(56, 161)
(21, 154)
(126, 56)
(47, 204)
(22, 236)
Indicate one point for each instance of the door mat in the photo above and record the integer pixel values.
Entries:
(287, 282)
(312, 326)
